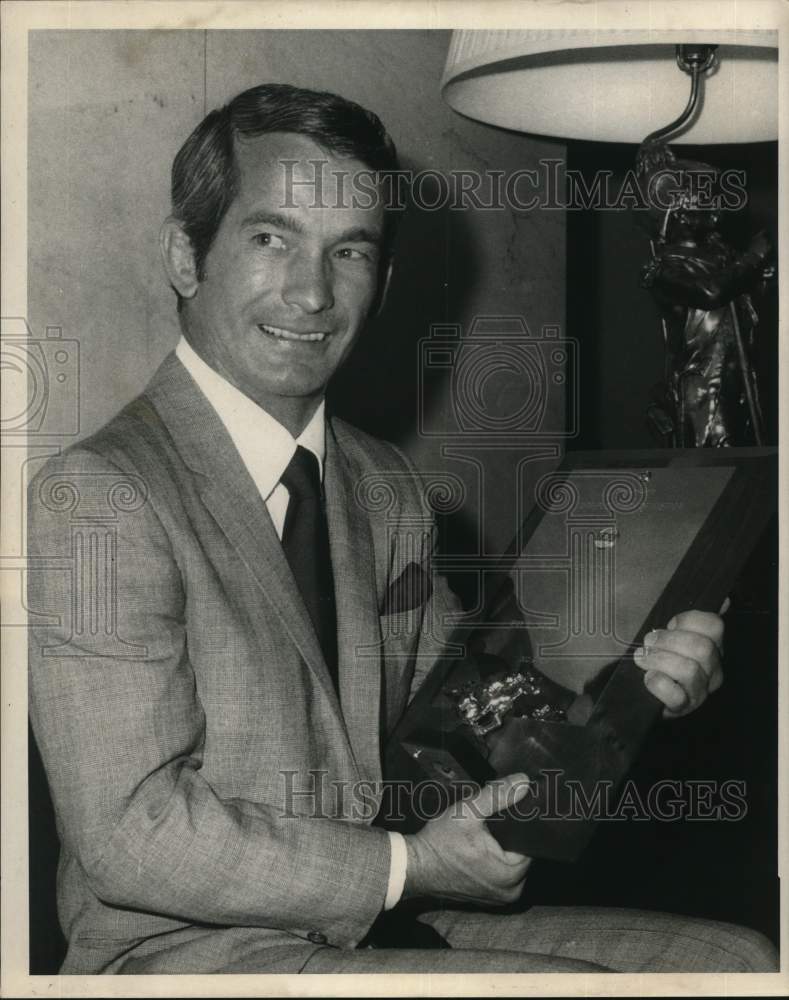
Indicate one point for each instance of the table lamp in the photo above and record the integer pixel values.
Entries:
(646, 87)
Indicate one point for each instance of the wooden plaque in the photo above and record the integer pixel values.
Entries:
(616, 544)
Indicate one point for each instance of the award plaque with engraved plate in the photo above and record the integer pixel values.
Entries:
(617, 543)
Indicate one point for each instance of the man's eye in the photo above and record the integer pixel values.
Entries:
(352, 253)
(269, 240)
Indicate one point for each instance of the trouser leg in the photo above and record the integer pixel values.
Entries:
(447, 961)
(620, 939)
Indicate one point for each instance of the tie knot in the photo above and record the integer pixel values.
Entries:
(302, 477)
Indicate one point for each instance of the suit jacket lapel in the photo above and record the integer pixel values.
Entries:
(230, 494)
(358, 624)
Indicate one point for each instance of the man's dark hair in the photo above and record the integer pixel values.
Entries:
(205, 173)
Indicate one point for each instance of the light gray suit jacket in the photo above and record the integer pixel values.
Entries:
(212, 799)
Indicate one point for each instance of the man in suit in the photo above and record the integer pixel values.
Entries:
(212, 680)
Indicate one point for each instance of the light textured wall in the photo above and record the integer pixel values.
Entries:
(108, 110)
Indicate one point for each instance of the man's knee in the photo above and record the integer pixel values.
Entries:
(756, 951)
(726, 947)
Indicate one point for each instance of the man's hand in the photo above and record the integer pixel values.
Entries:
(682, 662)
(455, 857)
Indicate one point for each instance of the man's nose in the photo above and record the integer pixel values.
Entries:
(308, 284)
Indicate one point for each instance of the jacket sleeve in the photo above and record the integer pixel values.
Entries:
(121, 730)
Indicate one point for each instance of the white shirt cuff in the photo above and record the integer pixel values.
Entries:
(397, 868)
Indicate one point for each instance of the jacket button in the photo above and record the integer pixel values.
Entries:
(316, 937)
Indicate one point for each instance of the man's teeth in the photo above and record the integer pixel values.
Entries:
(277, 331)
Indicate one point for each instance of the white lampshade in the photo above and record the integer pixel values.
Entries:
(616, 86)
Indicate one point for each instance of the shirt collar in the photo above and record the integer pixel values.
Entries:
(265, 446)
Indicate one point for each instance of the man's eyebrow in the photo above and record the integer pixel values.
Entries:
(360, 234)
(268, 218)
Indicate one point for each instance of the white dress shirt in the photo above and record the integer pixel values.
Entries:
(248, 425)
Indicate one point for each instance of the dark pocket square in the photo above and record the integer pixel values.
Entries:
(410, 590)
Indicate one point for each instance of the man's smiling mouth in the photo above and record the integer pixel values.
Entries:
(282, 334)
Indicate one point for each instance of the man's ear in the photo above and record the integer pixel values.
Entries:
(383, 289)
(178, 257)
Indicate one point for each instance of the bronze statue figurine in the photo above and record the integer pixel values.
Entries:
(704, 289)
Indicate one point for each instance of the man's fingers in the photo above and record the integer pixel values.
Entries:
(691, 659)
(498, 795)
(679, 683)
(689, 645)
(673, 695)
(703, 622)
(491, 799)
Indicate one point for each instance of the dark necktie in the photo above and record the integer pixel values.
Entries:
(305, 539)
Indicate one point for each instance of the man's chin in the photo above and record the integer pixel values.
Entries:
(308, 387)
